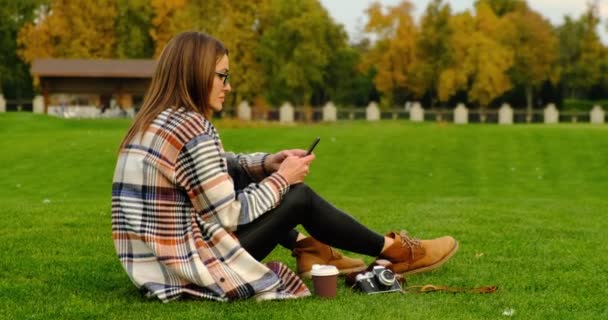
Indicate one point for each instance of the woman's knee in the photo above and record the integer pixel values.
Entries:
(300, 189)
(298, 195)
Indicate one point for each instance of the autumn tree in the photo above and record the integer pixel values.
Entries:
(70, 29)
(535, 46)
(502, 7)
(394, 51)
(480, 62)
(170, 17)
(433, 52)
(240, 31)
(209, 15)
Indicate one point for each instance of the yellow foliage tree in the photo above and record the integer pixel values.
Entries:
(238, 24)
(432, 52)
(394, 51)
(70, 29)
(209, 15)
(240, 33)
(535, 48)
(170, 17)
(480, 62)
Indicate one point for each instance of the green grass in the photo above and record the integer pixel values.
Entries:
(533, 199)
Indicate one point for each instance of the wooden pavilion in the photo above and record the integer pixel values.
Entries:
(123, 78)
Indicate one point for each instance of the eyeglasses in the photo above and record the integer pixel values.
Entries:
(224, 76)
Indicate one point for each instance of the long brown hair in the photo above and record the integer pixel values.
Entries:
(183, 77)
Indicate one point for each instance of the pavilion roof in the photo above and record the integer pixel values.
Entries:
(81, 68)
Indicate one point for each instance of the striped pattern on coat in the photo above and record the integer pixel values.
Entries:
(174, 207)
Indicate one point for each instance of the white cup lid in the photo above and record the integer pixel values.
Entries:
(323, 270)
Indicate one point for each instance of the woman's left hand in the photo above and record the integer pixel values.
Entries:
(273, 161)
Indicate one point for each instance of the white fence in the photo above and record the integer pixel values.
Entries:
(88, 112)
(460, 115)
(2, 104)
(330, 113)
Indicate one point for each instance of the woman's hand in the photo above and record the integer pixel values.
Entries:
(273, 161)
(294, 169)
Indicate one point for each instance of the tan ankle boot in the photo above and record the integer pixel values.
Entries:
(310, 251)
(409, 256)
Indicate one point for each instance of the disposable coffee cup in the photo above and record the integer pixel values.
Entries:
(324, 280)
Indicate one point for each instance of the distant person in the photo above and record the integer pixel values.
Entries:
(190, 219)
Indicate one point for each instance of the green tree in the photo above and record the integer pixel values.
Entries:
(133, 23)
(582, 55)
(297, 42)
(15, 79)
(344, 83)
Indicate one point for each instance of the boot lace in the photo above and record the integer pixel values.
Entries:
(407, 240)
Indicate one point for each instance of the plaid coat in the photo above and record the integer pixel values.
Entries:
(174, 207)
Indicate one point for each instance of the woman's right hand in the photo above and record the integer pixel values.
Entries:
(294, 169)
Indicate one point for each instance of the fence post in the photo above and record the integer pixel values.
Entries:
(243, 111)
(461, 114)
(597, 115)
(2, 104)
(286, 113)
(505, 114)
(372, 113)
(38, 104)
(551, 114)
(329, 112)
(416, 112)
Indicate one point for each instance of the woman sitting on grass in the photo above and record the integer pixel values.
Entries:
(189, 218)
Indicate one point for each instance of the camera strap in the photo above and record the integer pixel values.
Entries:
(434, 288)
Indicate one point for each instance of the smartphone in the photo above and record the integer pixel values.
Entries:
(313, 145)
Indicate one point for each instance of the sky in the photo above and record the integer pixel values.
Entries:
(350, 13)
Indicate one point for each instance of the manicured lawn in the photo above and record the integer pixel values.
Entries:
(528, 203)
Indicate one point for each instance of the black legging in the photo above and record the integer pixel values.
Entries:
(302, 206)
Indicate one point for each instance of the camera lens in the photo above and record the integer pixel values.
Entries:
(386, 277)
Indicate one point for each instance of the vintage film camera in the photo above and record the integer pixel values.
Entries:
(379, 280)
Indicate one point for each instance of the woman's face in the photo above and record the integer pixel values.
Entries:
(219, 90)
